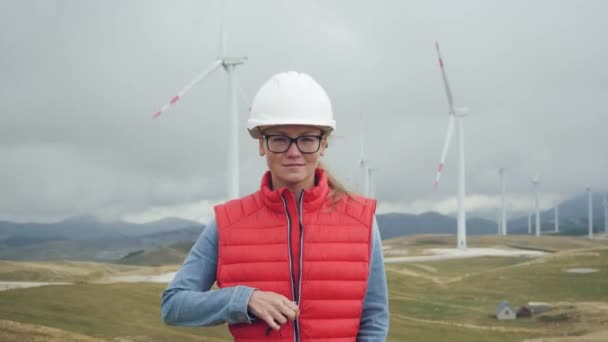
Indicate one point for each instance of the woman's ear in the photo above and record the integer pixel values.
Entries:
(324, 145)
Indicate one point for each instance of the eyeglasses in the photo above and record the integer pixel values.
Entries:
(281, 143)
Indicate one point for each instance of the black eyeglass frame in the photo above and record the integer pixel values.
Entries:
(294, 140)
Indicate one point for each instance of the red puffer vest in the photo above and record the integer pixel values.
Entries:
(317, 255)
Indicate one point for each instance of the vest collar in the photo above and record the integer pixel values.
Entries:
(313, 198)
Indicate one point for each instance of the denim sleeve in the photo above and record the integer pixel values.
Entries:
(188, 300)
(375, 316)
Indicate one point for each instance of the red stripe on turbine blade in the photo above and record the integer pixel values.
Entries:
(174, 99)
(441, 63)
(440, 167)
(436, 185)
(155, 115)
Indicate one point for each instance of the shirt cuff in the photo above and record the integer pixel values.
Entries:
(238, 305)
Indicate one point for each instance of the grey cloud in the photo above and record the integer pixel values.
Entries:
(81, 79)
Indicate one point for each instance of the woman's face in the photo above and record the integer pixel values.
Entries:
(292, 168)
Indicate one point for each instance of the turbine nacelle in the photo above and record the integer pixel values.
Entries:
(227, 61)
(461, 111)
(535, 180)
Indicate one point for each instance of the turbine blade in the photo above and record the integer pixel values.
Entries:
(444, 152)
(448, 91)
(189, 86)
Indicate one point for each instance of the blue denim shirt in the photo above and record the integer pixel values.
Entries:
(188, 300)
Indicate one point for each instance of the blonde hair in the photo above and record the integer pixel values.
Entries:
(337, 188)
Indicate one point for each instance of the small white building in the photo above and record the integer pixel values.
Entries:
(505, 311)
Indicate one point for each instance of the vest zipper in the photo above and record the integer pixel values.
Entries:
(296, 336)
(297, 323)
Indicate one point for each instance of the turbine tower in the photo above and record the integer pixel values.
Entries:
(556, 218)
(605, 214)
(454, 114)
(498, 222)
(503, 214)
(229, 64)
(590, 213)
(363, 164)
(372, 184)
(535, 182)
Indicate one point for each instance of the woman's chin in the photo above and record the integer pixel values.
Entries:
(293, 178)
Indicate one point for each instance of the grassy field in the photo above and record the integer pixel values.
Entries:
(451, 300)
(129, 312)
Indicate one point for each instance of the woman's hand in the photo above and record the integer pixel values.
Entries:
(272, 308)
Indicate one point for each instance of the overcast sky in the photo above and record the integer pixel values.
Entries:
(79, 80)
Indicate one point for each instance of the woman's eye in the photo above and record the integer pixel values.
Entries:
(280, 140)
(307, 139)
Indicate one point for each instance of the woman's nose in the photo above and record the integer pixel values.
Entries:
(293, 150)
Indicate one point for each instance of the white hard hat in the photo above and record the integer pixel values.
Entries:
(290, 98)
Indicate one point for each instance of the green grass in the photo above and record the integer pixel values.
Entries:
(473, 299)
(403, 330)
(107, 311)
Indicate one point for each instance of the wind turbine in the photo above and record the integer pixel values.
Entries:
(229, 64)
(372, 184)
(590, 212)
(363, 163)
(556, 218)
(535, 181)
(454, 113)
(503, 215)
(605, 214)
(498, 222)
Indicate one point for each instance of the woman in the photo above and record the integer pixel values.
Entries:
(301, 258)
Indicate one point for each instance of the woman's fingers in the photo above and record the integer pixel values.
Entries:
(275, 309)
(269, 319)
(289, 311)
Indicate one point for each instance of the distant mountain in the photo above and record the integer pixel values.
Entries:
(394, 225)
(572, 212)
(87, 238)
(87, 227)
(170, 255)
(572, 217)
